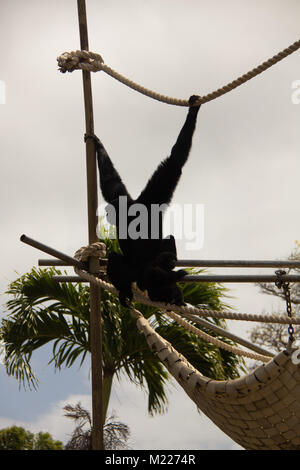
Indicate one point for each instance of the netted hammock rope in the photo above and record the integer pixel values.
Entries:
(260, 411)
(93, 62)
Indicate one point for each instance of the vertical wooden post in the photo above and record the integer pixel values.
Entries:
(92, 199)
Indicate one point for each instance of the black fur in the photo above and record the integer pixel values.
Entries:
(149, 262)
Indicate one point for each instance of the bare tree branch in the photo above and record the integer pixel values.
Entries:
(116, 434)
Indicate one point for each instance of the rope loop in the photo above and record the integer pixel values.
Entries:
(97, 250)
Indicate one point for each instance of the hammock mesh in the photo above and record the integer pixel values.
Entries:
(259, 411)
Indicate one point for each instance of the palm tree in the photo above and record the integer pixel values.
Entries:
(42, 311)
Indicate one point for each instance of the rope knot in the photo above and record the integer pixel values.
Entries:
(97, 249)
(84, 60)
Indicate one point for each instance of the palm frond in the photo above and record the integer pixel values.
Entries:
(41, 311)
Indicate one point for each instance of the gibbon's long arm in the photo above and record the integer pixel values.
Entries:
(110, 181)
(162, 184)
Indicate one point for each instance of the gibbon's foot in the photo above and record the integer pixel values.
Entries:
(181, 273)
(169, 294)
(94, 138)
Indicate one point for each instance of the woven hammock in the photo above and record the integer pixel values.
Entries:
(260, 411)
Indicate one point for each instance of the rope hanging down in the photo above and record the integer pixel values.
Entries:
(92, 62)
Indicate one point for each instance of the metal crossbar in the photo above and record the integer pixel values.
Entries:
(204, 263)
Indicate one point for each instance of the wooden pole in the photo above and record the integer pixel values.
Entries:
(92, 199)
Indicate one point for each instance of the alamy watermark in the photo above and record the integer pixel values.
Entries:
(137, 221)
(2, 352)
(296, 93)
(2, 92)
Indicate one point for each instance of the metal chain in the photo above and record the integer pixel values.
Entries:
(281, 284)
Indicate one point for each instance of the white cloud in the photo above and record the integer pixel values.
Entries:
(2, 352)
(182, 427)
(53, 421)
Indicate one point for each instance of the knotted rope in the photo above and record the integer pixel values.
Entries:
(92, 62)
(97, 249)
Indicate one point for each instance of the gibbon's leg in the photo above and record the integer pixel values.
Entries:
(121, 275)
(112, 188)
(161, 186)
(111, 183)
(161, 285)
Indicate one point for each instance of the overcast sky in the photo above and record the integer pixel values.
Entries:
(244, 165)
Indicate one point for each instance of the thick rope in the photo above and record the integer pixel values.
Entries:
(99, 247)
(92, 62)
(201, 312)
(215, 341)
(142, 298)
(177, 318)
(96, 249)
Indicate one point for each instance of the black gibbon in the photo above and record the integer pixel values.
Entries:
(147, 259)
